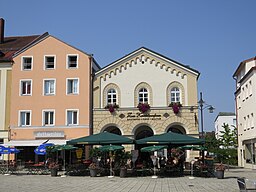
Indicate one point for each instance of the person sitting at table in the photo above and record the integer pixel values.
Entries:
(172, 161)
(162, 161)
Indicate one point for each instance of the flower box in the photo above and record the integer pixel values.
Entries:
(112, 107)
(143, 107)
(175, 107)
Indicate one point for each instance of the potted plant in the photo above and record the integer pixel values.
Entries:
(175, 107)
(143, 107)
(112, 107)
(219, 171)
(54, 167)
(93, 169)
(94, 156)
(123, 157)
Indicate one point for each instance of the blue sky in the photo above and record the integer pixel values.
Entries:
(212, 37)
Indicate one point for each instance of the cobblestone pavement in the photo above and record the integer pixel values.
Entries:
(42, 183)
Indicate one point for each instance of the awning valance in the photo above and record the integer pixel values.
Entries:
(27, 143)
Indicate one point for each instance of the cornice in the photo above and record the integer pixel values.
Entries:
(142, 59)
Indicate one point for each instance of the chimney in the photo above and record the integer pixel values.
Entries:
(1, 30)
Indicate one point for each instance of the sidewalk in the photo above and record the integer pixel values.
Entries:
(42, 183)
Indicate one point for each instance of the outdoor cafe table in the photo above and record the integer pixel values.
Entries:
(37, 169)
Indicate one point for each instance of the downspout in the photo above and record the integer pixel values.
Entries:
(91, 97)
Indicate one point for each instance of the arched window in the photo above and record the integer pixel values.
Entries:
(175, 94)
(143, 95)
(111, 96)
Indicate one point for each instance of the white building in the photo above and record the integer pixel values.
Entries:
(245, 76)
(224, 118)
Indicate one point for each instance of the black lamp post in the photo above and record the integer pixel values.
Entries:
(202, 107)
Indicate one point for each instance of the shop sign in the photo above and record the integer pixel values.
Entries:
(142, 116)
(49, 134)
(79, 153)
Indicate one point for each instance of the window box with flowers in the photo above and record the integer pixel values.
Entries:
(112, 107)
(143, 107)
(175, 107)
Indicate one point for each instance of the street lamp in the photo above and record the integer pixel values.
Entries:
(202, 106)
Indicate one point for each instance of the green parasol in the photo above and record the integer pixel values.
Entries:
(102, 138)
(171, 138)
(64, 148)
(192, 147)
(153, 148)
(110, 148)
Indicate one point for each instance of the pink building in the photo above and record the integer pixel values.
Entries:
(51, 94)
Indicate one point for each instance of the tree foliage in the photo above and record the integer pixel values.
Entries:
(224, 148)
(228, 138)
(228, 145)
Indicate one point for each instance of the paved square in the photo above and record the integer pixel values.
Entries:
(42, 183)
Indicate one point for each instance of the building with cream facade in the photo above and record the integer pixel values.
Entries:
(145, 76)
(245, 94)
(51, 94)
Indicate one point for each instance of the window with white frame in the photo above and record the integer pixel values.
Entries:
(49, 62)
(248, 122)
(250, 88)
(25, 118)
(72, 86)
(48, 118)
(49, 87)
(246, 91)
(72, 61)
(111, 96)
(243, 94)
(252, 119)
(143, 95)
(27, 63)
(239, 102)
(245, 123)
(25, 87)
(175, 94)
(72, 117)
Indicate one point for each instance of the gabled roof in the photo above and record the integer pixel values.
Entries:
(12, 45)
(46, 35)
(186, 67)
(241, 65)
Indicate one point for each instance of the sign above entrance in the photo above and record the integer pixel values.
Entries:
(49, 134)
(142, 116)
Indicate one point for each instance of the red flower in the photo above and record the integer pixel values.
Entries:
(143, 107)
(112, 107)
(175, 107)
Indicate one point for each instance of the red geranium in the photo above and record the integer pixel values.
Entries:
(143, 107)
